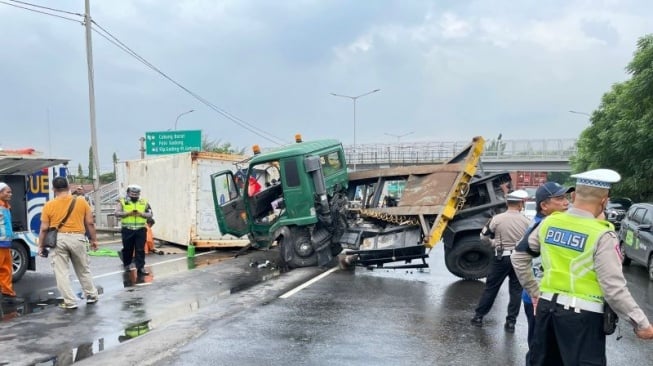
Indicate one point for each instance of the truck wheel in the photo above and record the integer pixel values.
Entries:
(19, 260)
(296, 249)
(625, 261)
(468, 258)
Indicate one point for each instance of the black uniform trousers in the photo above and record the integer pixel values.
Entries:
(133, 241)
(501, 268)
(567, 338)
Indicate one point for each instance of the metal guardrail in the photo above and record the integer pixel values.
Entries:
(437, 152)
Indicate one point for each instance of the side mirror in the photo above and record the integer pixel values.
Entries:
(644, 227)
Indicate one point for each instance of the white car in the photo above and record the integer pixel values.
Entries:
(529, 209)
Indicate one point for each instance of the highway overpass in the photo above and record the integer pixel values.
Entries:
(551, 155)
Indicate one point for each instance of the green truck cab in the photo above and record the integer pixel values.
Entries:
(294, 195)
(302, 197)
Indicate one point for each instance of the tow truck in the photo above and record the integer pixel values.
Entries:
(29, 177)
(302, 198)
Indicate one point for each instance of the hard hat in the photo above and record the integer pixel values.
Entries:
(133, 188)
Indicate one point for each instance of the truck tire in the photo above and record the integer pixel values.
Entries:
(468, 258)
(296, 249)
(19, 259)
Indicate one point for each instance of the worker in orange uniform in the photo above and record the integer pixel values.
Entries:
(6, 236)
(149, 236)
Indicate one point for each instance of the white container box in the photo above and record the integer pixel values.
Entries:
(178, 187)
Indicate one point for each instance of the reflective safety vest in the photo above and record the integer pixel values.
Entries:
(133, 222)
(567, 246)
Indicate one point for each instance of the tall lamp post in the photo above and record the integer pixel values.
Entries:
(181, 114)
(399, 136)
(354, 99)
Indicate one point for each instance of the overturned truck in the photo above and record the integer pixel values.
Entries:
(302, 198)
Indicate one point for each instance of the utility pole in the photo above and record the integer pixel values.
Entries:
(91, 105)
(142, 149)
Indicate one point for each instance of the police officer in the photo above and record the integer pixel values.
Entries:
(582, 271)
(503, 232)
(549, 197)
(133, 212)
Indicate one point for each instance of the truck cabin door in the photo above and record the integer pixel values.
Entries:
(228, 203)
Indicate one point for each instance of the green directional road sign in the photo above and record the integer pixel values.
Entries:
(172, 142)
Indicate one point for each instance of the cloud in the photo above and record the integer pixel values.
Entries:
(446, 70)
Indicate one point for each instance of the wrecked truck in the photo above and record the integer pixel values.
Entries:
(302, 198)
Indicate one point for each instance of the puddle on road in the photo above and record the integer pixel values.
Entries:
(85, 350)
(34, 303)
(39, 302)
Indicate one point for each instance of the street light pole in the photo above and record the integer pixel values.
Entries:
(399, 136)
(354, 99)
(181, 114)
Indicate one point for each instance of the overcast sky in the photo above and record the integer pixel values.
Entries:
(447, 70)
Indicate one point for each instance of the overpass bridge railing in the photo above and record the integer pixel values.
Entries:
(437, 152)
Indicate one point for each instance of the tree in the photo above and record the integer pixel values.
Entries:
(107, 178)
(114, 158)
(215, 146)
(90, 163)
(619, 137)
(495, 148)
(80, 172)
(559, 177)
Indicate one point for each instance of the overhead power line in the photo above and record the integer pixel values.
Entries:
(115, 41)
(43, 12)
(240, 122)
(45, 7)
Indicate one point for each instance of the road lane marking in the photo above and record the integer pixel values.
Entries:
(307, 283)
(155, 264)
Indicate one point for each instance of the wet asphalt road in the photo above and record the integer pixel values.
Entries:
(38, 333)
(385, 318)
(211, 316)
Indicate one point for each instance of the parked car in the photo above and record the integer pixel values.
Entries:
(636, 238)
(616, 209)
(529, 209)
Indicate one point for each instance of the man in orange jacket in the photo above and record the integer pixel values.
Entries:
(6, 236)
(149, 236)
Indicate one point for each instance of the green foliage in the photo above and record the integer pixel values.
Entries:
(114, 158)
(560, 177)
(80, 172)
(216, 147)
(495, 147)
(619, 137)
(107, 178)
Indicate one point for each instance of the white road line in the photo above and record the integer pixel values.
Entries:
(307, 283)
(156, 264)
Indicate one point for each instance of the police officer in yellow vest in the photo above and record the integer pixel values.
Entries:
(133, 212)
(582, 271)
